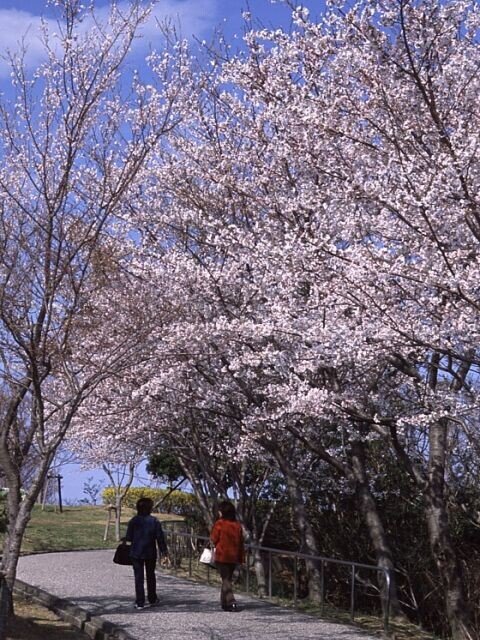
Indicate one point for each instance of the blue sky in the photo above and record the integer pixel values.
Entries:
(20, 19)
(74, 479)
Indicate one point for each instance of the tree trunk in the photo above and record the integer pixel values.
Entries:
(259, 569)
(258, 537)
(5, 606)
(11, 550)
(354, 471)
(378, 537)
(118, 514)
(251, 537)
(308, 543)
(443, 551)
(205, 502)
(120, 489)
(18, 517)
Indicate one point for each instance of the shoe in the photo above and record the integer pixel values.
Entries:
(232, 607)
(154, 603)
(139, 606)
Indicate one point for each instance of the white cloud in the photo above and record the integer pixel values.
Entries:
(15, 27)
(191, 17)
(195, 17)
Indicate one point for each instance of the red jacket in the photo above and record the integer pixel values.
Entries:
(227, 536)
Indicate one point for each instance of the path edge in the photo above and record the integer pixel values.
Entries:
(95, 627)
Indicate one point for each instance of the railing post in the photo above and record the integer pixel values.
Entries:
(386, 612)
(352, 595)
(270, 574)
(322, 586)
(190, 559)
(295, 572)
(174, 539)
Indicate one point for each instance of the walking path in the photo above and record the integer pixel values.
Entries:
(187, 611)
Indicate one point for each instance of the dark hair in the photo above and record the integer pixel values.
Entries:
(228, 510)
(144, 506)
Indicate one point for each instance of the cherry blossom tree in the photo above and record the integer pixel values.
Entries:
(73, 145)
(310, 236)
(320, 216)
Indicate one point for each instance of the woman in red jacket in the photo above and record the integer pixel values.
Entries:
(227, 537)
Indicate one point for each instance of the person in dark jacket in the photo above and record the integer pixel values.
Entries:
(227, 537)
(145, 533)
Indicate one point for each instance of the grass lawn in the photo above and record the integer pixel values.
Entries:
(75, 528)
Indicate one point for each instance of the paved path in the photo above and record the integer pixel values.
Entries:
(188, 611)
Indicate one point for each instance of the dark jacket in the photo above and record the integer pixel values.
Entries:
(145, 533)
(227, 536)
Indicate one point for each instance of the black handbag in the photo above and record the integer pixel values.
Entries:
(122, 554)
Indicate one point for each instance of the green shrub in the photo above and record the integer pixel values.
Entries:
(178, 502)
(3, 507)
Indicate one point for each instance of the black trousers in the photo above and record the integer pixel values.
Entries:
(226, 570)
(140, 568)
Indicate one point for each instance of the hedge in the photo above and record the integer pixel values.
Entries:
(178, 502)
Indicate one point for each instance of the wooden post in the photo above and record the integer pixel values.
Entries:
(45, 492)
(111, 509)
(59, 480)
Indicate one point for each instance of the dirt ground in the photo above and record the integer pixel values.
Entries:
(34, 622)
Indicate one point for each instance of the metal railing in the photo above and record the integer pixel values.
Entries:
(187, 546)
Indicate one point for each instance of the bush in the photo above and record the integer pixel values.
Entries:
(178, 502)
(3, 507)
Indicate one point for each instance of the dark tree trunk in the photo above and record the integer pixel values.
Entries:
(18, 517)
(354, 471)
(371, 517)
(443, 550)
(205, 502)
(307, 537)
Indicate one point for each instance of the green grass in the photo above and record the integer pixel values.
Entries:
(76, 528)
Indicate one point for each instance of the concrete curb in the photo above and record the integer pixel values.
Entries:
(95, 627)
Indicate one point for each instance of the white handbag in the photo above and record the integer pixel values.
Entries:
(207, 556)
